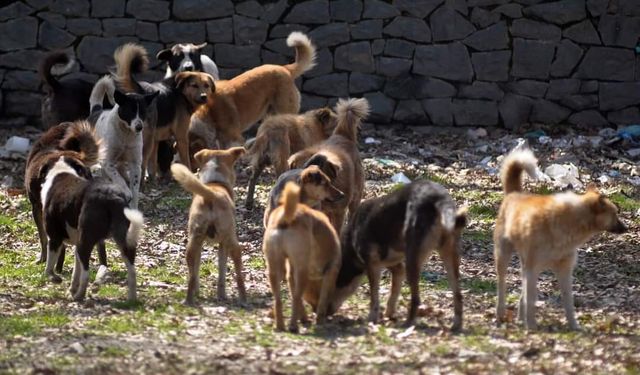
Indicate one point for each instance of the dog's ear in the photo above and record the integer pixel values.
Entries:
(313, 174)
(200, 46)
(149, 97)
(236, 152)
(330, 169)
(164, 55)
(181, 79)
(203, 156)
(212, 82)
(592, 187)
(323, 114)
(119, 97)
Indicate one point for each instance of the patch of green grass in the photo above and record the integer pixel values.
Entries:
(256, 263)
(477, 342)
(625, 203)
(20, 229)
(31, 323)
(482, 212)
(137, 320)
(442, 350)
(383, 336)
(163, 274)
(115, 352)
(475, 285)
(16, 265)
(439, 179)
(543, 190)
(478, 235)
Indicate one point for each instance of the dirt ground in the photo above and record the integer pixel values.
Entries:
(43, 331)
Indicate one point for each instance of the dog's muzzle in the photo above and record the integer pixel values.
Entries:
(187, 67)
(619, 228)
(202, 98)
(139, 127)
(336, 198)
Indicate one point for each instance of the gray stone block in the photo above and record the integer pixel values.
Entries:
(51, 37)
(249, 31)
(377, 46)
(379, 9)
(494, 37)
(567, 57)
(449, 61)
(409, 112)
(532, 58)
(597, 7)
(103, 9)
(18, 34)
(15, 10)
(440, 111)
(580, 102)
(417, 8)
(119, 26)
(483, 18)
(447, 25)
(269, 57)
(360, 83)
(492, 66)
(408, 28)
(459, 5)
(605, 63)
(619, 30)
(22, 103)
(274, 11)
(84, 26)
(588, 118)
(583, 33)
(311, 11)
(345, 10)
(546, 112)
(629, 7)
(250, 8)
(96, 54)
(283, 30)
(475, 112)
(23, 59)
(613, 96)
(382, 107)
(21, 80)
(587, 87)
(324, 64)
(39, 4)
(55, 19)
(558, 12)
(560, 88)
(220, 30)
(526, 28)
(330, 35)
(202, 9)
(515, 110)
(280, 46)
(73, 8)
(148, 10)
(355, 57)
(334, 85)
(484, 3)
(399, 48)
(310, 102)
(527, 87)
(509, 10)
(230, 73)
(182, 32)
(393, 66)
(367, 29)
(431, 88)
(481, 90)
(147, 31)
(229, 55)
(627, 116)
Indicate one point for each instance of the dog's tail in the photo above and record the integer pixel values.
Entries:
(130, 59)
(105, 85)
(136, 222)
(450, 217)
(44, 69)
(350, 113)
(290, 199)
(514, 164)
(305, 54)
(80, 137)
(191, 183)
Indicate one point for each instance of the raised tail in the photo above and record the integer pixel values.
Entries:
(79, 137)
(130, 59)
(190, 182)
(514, 164)
(350, 113)
(104, 86)
(290, 199)
(136, 222)
(51, 59)
(305, 54)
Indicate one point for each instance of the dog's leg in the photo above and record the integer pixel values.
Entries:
(256, 170)
(102, 273)
(275, 270)
(299, 285)
(60, 262)
(328, 284)
(75, 277)
(110, 170)
(135, 170)
(530, 297)
(521, 308)
(54, 249)
(129, 258)
(413, 278)
(235, 250)
(221, 290)
(36, 211)
(451, 259)
(397, 278)
(502, 257)
(149, 146)
(564, 272)
(194, 253)
(83, 252)
(373, 273)
(303, 312)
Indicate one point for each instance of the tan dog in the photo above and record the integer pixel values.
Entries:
(545, 231)
(212, 216)
(302, 237)
(280, 136)
(338, 157)
(244, 100)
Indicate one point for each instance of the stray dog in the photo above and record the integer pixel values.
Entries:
(179, 96)
(77, 137)
(82, 211)
(315, 187)
(300, 242)
(280, 136)
(212, 216)
(120, 131)
(545, 231)
(396, 231)
(244, 100)
(338, 157)
(65, 100)
(186, 57)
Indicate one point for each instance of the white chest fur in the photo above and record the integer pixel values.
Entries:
(58, 168)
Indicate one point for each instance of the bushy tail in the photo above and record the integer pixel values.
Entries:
(190, 182)
(350, 113)
(290, 199)
(305, 54)
(514, 164)
(79, 137)
(105, 85)
(130, 59)
(51, 59)
(136, 222)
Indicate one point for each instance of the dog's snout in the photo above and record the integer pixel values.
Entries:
(619, 228)
(188, 67)
(337, 196)
(138, 127)
(203, 98)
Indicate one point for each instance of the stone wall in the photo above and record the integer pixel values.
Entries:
(420, 62)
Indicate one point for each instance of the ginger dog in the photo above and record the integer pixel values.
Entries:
(302, 237)
(545, 231)
(212, 216)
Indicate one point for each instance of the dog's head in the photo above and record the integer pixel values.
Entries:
(183, 57)
(132, 109)
(317, 186)
(326, 119)
(195, 86)
(219, 162)
(605, 213)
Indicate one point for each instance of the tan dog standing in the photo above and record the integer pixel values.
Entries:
(545, 231)
(212, 216)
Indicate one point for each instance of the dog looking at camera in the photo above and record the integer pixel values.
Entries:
(545, 231)
(187, 57)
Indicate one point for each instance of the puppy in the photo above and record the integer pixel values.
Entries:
(76, 137)
(545, 231)
(315, 188)
(398, 231)
(82, 211)
(244, 100)
(338, 157)
(280, 136)
(212, 216)
(301, 242)
(120, 131)
(187, 57)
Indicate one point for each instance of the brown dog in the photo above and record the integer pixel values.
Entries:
(338, 157)
(244, 100)
(302, 237)
(212, 216)
(545, 231)
(280, 136)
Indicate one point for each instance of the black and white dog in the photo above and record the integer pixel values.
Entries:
(186, 57)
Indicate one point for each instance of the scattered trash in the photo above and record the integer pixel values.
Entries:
(604, 179)
(6, 182)
(17, 144)
(613, 173)
(564, 175)
(77, 347)
(631, 132)
(371, 141)
(607, 133)
(485, 160)
(389, 163)
(633, 152)
(477, 133)
(635, 181)
(535, 134)
(400, 178)
(544, 140)
(581, 140)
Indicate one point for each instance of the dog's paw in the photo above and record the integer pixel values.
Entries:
(189, 302)
(56, 279)
(78, 297)
(102, 275)
(293, 328)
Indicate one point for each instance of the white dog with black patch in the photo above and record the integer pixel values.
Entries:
(186, 57)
